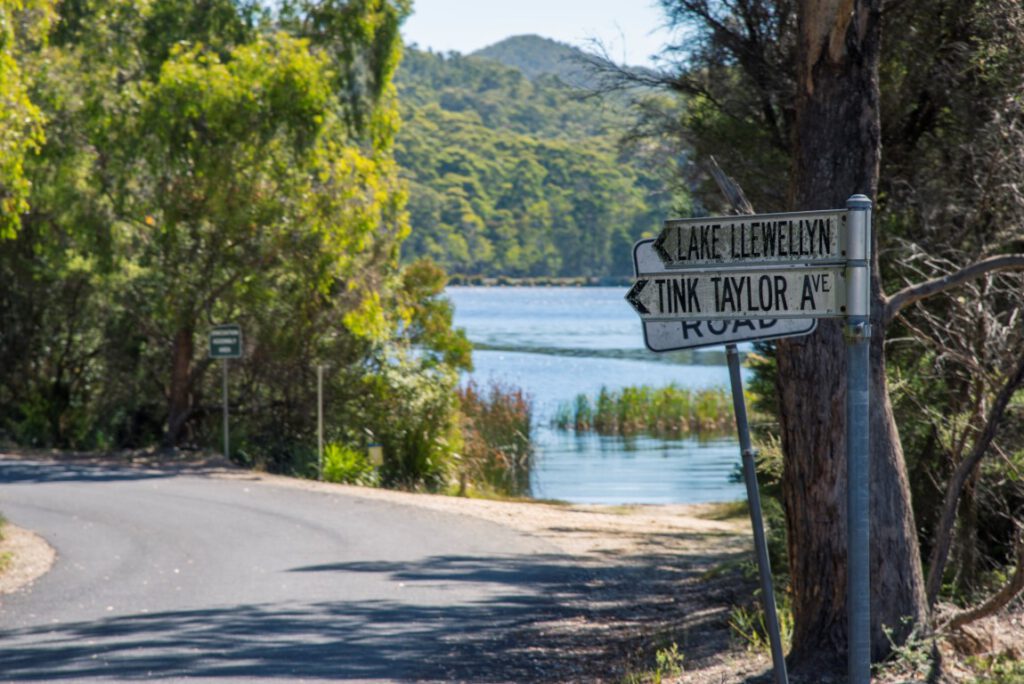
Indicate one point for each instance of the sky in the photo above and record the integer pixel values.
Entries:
(631, 30)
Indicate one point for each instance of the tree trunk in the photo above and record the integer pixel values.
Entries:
(837, 147)
(179, 400)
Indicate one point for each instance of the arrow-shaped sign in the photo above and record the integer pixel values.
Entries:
(716, 295)
(807, 237)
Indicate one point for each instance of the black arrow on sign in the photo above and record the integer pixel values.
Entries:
(659, 247)
(633, 296)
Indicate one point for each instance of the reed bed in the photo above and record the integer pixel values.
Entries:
(670, 411)
(496, 454)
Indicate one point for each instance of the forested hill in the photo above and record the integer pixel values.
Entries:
(536, 56)
(512, 175)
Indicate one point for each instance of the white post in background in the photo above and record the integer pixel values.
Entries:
(227, 452)
(320, 422)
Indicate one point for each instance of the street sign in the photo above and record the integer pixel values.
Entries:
(226, 342)
(818, 292)
(661, 336)
(795, 238)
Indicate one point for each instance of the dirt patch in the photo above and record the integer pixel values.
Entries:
(24, 557)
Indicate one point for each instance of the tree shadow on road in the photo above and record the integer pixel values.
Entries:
(33, 472)
(545, 620)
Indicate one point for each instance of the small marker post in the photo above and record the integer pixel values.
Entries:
(224, 366)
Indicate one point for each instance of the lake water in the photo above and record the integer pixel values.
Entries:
(558, 342)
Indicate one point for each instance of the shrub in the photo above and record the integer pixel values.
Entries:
(346, 465)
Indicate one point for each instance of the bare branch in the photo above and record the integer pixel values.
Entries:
(997, 601)
(915, 293)
(944, 527)
(730, 188)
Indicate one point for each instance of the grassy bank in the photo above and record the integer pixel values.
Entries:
(671, 411)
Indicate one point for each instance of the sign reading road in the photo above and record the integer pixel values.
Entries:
(709, 295)
(226, 342)
(661, 336)
(797, 238)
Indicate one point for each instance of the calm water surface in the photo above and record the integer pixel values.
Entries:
(558, 342)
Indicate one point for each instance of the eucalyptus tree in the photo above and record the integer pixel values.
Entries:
(789, 95)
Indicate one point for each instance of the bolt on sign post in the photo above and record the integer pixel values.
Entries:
(743, 278)
(225, 344)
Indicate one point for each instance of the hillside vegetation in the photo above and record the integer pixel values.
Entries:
(513, 173)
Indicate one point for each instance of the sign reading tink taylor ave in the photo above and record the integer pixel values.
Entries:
(776, 293)
(796, 238)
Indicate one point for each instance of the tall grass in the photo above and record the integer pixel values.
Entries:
(496, 454)
(663, 411)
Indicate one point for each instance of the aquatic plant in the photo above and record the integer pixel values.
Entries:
(662, 411)
(496, 453)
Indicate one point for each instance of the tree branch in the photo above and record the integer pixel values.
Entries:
(944, 527)
(730, 188)
(997, 601)
(915, 293)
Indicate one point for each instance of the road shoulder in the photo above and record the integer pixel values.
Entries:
(28, 557)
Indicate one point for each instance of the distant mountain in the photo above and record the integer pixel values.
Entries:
(537, 56)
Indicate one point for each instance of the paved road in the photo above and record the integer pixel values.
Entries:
(182, 575)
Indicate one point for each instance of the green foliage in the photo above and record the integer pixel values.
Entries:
(346, 465)
(496, 454)
(668, 663)
(665, 411)
(748, 624)
(509, 176)
(999, 669)
(23, 25)
(216, 162)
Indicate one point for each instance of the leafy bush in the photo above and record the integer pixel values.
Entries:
(346, 465)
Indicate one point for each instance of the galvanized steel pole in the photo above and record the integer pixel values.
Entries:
(320, 422)
(858, 351)
(227, 452)
(756, 518)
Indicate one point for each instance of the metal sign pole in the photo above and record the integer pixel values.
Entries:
(225, 386)
(320, 422)
(756, 518)
(858, 336)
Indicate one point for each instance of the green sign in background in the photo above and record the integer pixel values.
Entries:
(226, 342)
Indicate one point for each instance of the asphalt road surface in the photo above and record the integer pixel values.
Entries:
(181, 575)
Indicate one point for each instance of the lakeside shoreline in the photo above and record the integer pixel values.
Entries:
(459, 280)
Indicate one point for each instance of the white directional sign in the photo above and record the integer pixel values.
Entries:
(661, 336)
(797, 238)
(710, 295)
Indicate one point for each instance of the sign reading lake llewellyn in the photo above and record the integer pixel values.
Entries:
(226, 342)
(709, 295)
(796, 238)
(662, 336)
